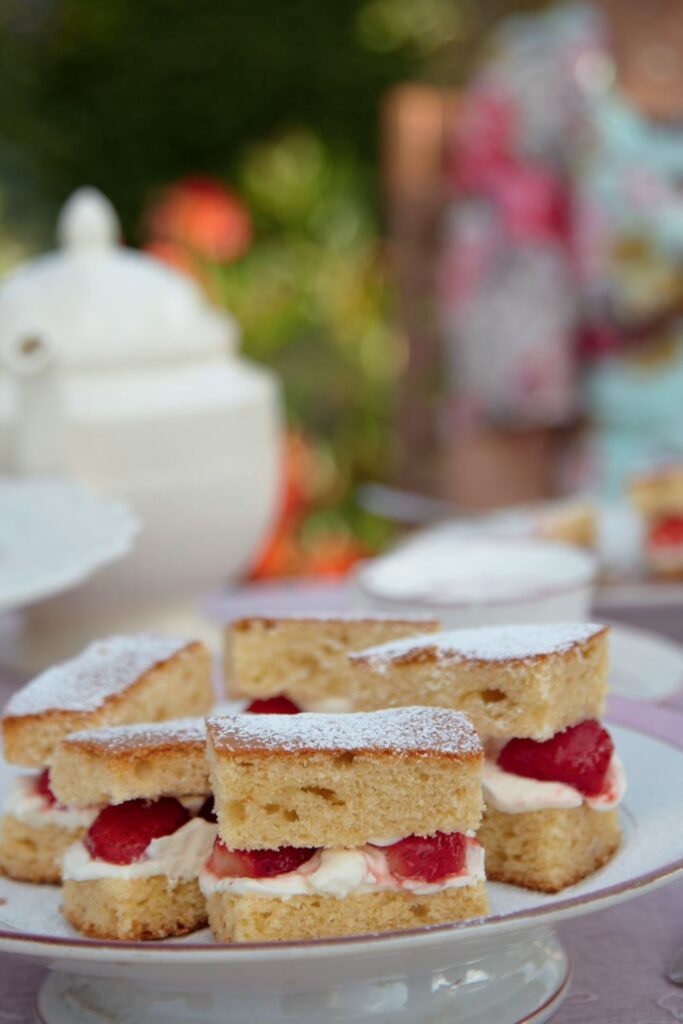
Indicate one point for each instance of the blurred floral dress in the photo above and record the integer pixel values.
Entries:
(562, 271)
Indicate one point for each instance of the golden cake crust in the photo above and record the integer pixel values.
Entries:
(29, 854)
(422, 623)
(111, 765)
(134, 910)
(303, 657)
(116, 681)
(337, 780)
(658, 492)
(548, 850)
(509, 680)
(406, 731)
(267, 919)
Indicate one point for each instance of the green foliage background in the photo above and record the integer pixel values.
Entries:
(279, 100)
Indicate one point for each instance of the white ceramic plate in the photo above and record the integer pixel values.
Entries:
(644, 665)
(54, 534)
(624, 580)
(30, 914)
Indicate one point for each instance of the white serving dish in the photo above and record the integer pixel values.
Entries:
(116, 371)
(55, 534)
(624, 581)
(469, 580)
(503, 969)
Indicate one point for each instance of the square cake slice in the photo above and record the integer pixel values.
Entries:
(135, 678)
(658, 497)
(552, 780)
(509, 680)
(134, 873)
(124, 679)
(302, 659)
(342, 824)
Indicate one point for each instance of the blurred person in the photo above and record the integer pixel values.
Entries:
(561, 272)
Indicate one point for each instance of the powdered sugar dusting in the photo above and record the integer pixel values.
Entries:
(417, 730)
(152, 736)
(491, 643)
(105, 668)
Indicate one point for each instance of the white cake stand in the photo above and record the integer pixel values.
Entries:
(506, 969)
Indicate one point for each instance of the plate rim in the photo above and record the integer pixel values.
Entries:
(40, 945)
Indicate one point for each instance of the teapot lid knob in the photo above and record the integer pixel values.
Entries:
(88, 221)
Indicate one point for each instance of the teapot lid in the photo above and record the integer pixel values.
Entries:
(96, 302)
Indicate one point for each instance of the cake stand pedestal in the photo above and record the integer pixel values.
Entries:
(516, 979)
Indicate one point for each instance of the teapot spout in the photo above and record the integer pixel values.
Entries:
(38, 444)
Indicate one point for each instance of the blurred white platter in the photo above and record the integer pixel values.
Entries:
(53, 535)
(624, 580)
(643, 665)
(502, 969)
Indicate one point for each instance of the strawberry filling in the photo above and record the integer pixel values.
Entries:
(273, 706)
(427, 859)
(578, 757)
(224, 863)
(666, 532)
(121, 833)
(430, 859)
(42, 786)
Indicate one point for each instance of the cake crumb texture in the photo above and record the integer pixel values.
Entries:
(547, 850)
(135, 909)
(304, 656)
(114, 682)
(30, 854)
(109, 766)
(345, 778)
(236, 918)
(526, 681)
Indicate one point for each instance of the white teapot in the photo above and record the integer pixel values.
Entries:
(115, 370)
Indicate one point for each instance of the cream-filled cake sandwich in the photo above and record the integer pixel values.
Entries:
(552, 780)
(568, 520)
(658, 496)
(123, 679)
(298, 662)
(134, 873)
(336, 825)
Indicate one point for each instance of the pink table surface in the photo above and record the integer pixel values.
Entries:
(619, 956)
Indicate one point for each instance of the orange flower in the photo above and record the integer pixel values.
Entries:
(333, 555)
(173, 255)
(204, 216)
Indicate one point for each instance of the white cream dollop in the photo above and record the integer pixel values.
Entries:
(341, 873)
(516, 794)
(27, 805)
(178, 856)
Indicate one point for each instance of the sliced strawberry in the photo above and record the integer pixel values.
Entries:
(42, 786)
(429, 859)
(226, 863)
(121, 833)
(579, 757)
(273, 706)
(667, 532)
(207, 811)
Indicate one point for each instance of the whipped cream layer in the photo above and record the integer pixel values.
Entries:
(342, 873)
(178, 856)
(516, 794)
(27, 805)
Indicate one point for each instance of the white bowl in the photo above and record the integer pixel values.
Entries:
(471, 581)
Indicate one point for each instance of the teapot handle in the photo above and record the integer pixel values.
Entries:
(38, 444)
